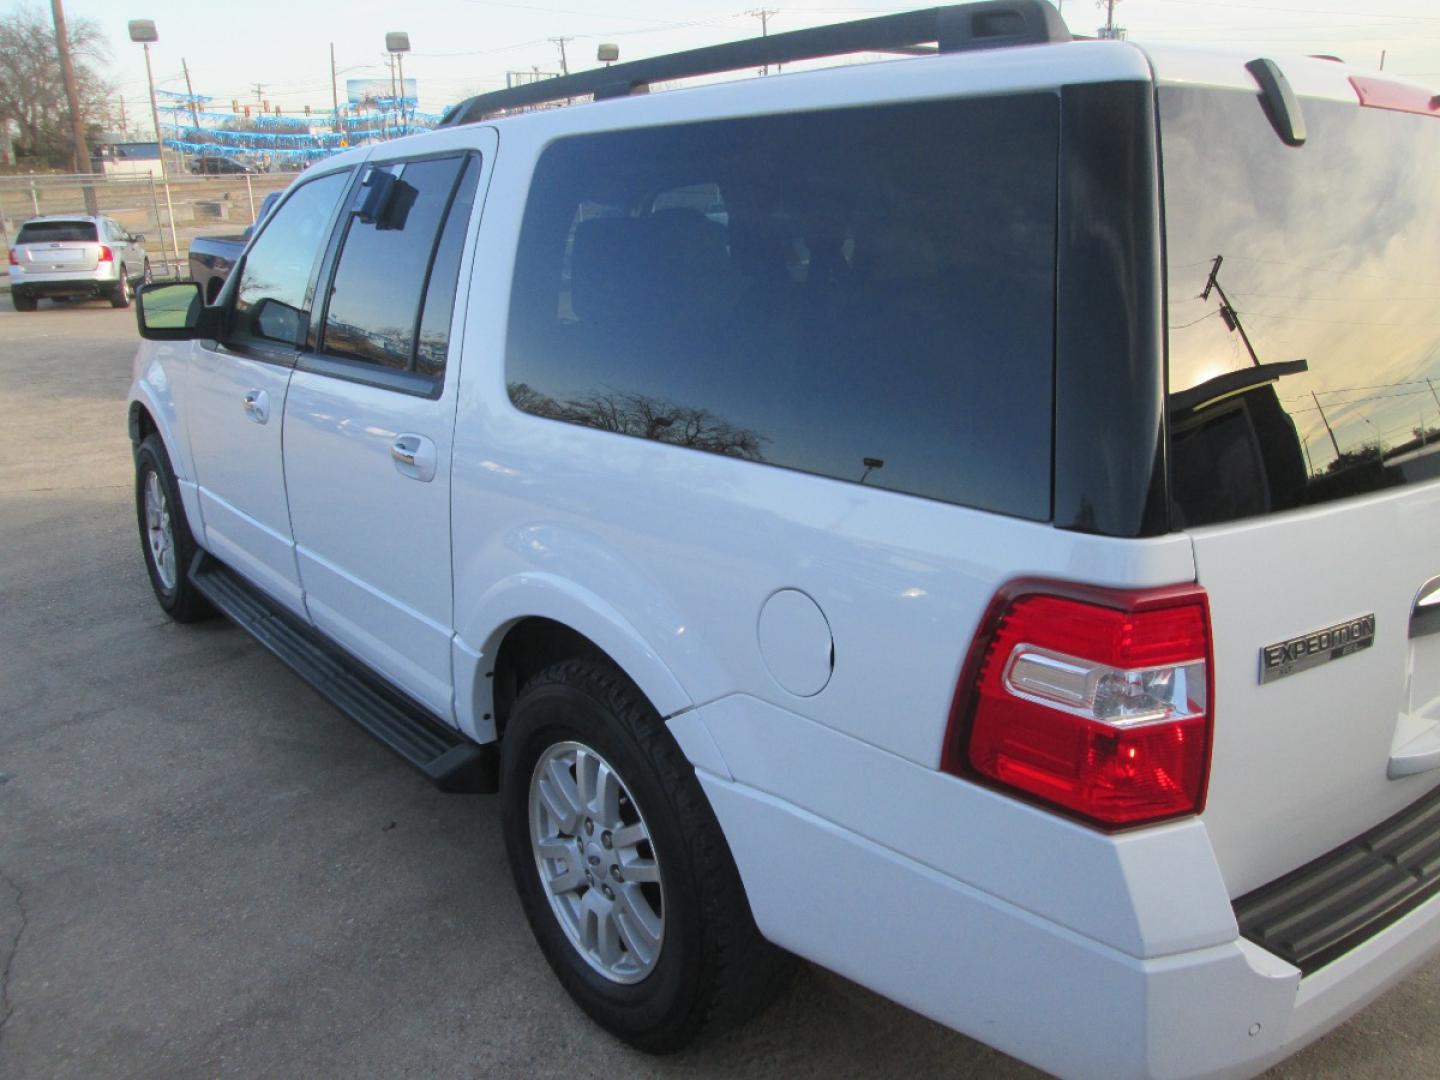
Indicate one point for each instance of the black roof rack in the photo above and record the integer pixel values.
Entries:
(959, 28)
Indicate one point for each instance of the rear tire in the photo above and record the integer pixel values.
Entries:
(632, 896)
(23, 302)
(120, 298)
(165, 537)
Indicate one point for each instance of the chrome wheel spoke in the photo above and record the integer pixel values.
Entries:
(557, 789)
(607, 939)
(606, 802)
(640, 870)
(630, 835)
(639, 926)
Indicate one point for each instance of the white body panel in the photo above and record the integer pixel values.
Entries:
(1085, 953)
(373, 544)
(244, 518)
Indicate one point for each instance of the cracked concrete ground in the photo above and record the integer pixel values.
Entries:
(222, 877)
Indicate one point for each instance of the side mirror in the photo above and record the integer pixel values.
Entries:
(137, 238)
(174, 311)
(278, 321)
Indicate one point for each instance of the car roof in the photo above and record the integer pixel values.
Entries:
(1016, 68)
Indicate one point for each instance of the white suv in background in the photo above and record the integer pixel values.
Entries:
(969, 521)
(67, 257)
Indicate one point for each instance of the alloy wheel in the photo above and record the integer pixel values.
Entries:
(596, 861)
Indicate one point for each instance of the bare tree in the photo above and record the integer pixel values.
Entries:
(32, 89)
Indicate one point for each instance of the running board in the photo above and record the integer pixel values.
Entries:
(448, 759)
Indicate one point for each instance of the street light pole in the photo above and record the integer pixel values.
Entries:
(397, 44)
(143, 31)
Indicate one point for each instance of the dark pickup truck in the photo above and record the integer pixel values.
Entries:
(212, 257)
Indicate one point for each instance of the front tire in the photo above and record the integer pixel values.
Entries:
(165, 535)
(623, 872)
(23, 301)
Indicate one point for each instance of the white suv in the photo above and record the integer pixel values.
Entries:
(66, 257)
(968, 521)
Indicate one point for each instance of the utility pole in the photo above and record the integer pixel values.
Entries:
(1228, 312)
(763, 14)
(1326, 422)
(1382, 59)
(194, 109)
(334, 88)
(1109, 30)
(72, 96)
(259, 89)
(560, 43)
(124, 128)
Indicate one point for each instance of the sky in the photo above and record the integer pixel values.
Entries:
(464, 47)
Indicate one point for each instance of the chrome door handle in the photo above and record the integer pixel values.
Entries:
(415, 457)
(257, 405)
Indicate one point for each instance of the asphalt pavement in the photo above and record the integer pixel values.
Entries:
(206, 871)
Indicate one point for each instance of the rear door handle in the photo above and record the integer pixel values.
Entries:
(414, 457)
(257, 406)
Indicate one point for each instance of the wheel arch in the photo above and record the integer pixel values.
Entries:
(524, 625)
(151, 412)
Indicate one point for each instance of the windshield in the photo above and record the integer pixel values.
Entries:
(51, 232)
(1303, 325)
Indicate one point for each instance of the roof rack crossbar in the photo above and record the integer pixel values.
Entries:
(958, 28)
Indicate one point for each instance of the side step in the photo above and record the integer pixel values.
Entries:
(450, 760)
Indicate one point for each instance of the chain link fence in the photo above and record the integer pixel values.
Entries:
(168, 213)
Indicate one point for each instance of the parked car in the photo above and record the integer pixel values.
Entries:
(845, 515)
(70, 257)
(212, 257)
(216, 164)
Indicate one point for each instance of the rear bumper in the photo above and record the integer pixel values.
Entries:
(98, 282)
(993, 956)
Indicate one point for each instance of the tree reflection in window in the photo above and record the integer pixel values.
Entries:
(645, 417)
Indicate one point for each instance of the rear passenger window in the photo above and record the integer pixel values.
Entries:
(52, 232)
(375, 313)
(865, 294)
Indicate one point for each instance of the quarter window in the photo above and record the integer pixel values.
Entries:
(866, 294)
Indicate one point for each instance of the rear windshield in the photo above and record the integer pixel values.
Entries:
(51, 232)
(865, 294)
(1304, 328)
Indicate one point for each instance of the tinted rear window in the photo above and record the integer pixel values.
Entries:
(50, 232)
(865, 294)
(1327, 254)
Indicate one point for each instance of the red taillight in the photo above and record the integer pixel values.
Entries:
(13, 260)
(106, 255)
(1094, 700)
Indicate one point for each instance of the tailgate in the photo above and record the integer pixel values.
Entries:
(1341, 733)
(1303, 287)
(55, 257)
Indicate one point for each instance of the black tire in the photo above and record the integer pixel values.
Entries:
(713, 969)
(23, 301)
(120, 296)
(178, 598)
